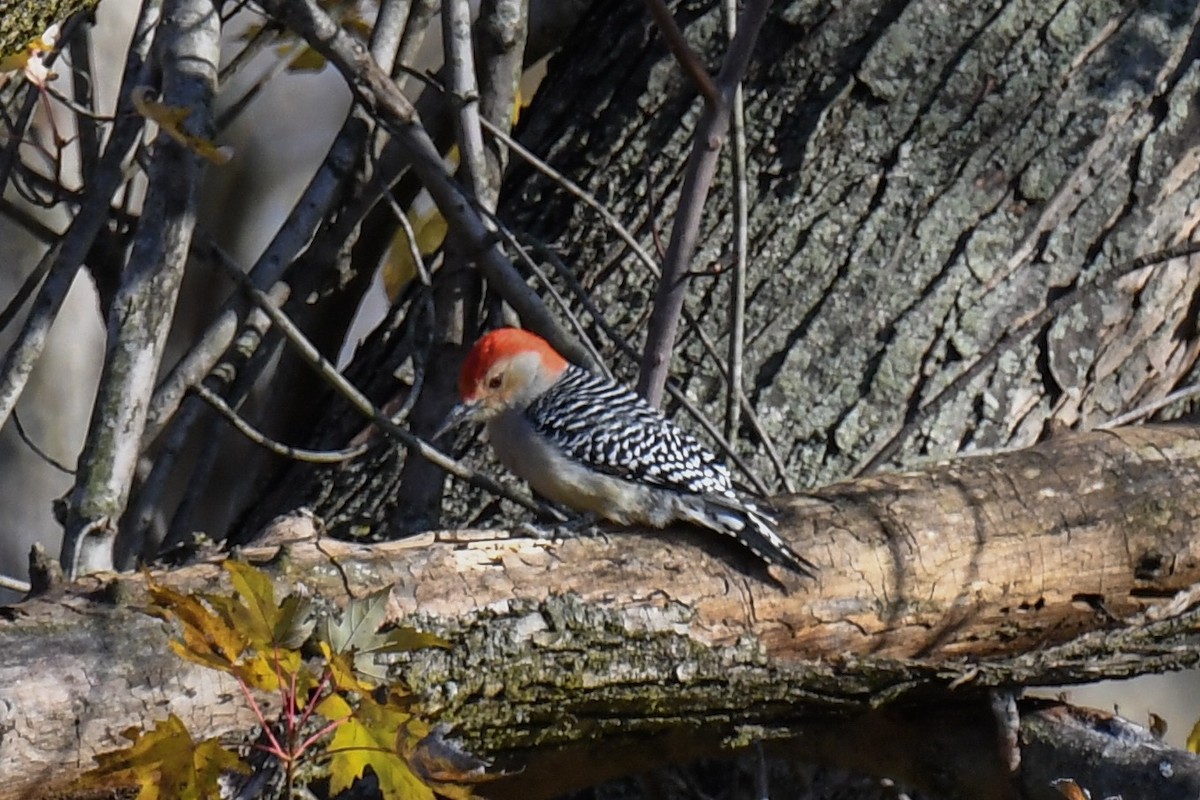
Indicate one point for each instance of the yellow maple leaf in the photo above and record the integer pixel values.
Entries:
(307, 60)
(1193, 739)
(334, 707)
(165, 763)
(208, 638)
(371, 736)
(341, 670)
(248, 634)
(170, 121)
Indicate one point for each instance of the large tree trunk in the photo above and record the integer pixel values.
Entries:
(1056, 564)
(945, 203)
(924, 177)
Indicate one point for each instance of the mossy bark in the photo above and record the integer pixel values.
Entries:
(1057, 564)
(24, 20)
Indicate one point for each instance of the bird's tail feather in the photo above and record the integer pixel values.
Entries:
(756, 531)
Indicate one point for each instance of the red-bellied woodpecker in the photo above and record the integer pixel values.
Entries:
(594, 446)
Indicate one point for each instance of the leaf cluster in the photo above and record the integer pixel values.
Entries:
(336, 707)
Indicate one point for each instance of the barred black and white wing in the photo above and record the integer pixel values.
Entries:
(603, 426)
(613, 430)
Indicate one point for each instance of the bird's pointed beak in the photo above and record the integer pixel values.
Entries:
(461, 413)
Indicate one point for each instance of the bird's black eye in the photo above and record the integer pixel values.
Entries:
(495, 381)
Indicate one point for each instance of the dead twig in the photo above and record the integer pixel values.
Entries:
(684, 54)
(262, 440)
(741, 247)
(697, 179)
(376, 90)
(328, 372)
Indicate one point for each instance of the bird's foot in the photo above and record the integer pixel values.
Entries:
(584, 525)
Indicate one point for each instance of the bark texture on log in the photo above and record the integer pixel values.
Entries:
(1048, 565)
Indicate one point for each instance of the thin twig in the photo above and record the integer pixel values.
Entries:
(233, 110)
(26, 290)
(78, 109)
(697, 179)
(410, 238)
(1146, 410)
(32, 225)
(741, 247)
(457, 286)
(588, 199)
(262, 440)
(328, 372)
(683, 52)
(85, 101)
(751, 413)
(38, 451)
(10, 156)
(15, 584)
(171, 444)
(260, 40)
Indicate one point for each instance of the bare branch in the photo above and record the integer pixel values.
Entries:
(21, 356)
(460, 64)
(143, 307)
(1145, 410)
(375, 89)
(420, 17)
(684, 54)
(698, 176)
(500, 38)
(389, 31)
(14, 584)
(219, 405)
(741, 248)
(37, 450)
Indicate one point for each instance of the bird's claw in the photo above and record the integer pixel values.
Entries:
(585, 525)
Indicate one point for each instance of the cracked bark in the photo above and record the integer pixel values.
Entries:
(935, 585)
(923, 177)
(911, 208)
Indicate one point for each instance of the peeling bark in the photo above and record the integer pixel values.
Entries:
(1051, 565)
